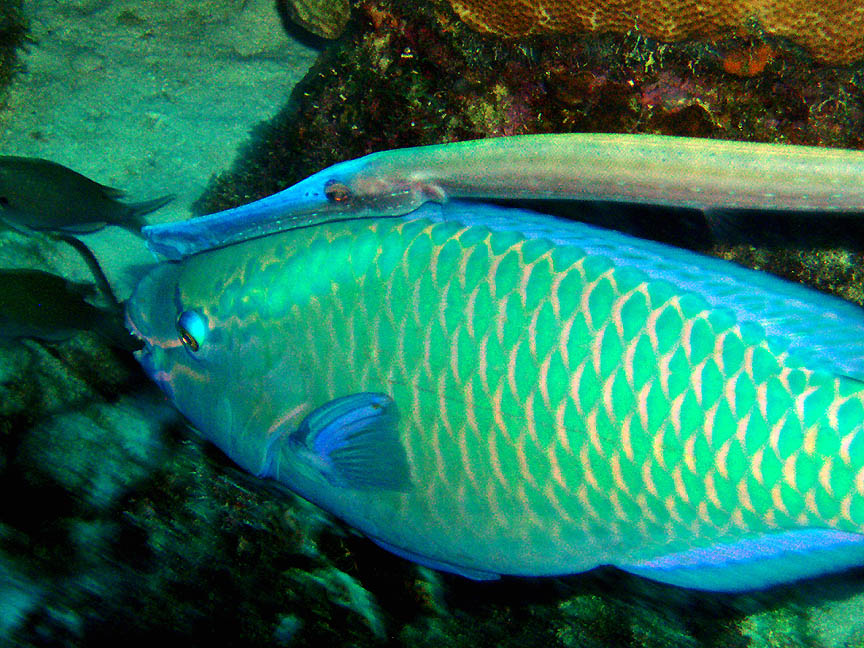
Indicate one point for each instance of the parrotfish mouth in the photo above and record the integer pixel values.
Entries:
(150, 318)
(143, 355)
(134, 330)
(145, 358)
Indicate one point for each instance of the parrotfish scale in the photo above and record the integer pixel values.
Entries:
(819, 327)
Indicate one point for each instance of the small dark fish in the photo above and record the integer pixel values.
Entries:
(45, 306)
(42, 195)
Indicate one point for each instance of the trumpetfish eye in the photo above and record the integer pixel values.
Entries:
(192, 328)
(336, 192)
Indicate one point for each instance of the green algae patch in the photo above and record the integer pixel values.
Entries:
(781, 628)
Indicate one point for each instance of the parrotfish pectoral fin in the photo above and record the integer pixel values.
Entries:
(440, 565)
(356, 441)
(755, 563)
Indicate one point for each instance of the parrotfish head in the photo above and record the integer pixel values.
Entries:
(206, 347)
(147, 312)
(225, 340)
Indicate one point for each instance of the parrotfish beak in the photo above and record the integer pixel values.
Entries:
(151, 317)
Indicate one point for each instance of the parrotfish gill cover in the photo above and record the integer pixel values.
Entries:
(490, 391)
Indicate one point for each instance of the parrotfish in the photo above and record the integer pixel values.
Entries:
(491, 391)
(39, 194)
(676, 171)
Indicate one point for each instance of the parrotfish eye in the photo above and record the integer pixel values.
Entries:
(192, 328)
(336, 191)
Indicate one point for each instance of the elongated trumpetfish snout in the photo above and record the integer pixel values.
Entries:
(344, 189)
(306, 200)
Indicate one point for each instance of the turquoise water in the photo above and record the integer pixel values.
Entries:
(117, 520)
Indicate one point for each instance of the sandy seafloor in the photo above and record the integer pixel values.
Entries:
(150, 97)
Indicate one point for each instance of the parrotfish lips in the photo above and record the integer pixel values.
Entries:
(149, 318)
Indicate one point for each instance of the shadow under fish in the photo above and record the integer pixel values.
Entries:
(41, 195)
(40, 305)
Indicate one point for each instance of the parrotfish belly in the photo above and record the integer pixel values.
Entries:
(558, 408)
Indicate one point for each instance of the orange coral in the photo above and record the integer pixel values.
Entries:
(748, 62)
(832, 30)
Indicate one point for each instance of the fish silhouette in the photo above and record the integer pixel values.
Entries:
(42, 195)
(709, 175)
(45, 306)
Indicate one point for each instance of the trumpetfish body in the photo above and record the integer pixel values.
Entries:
(676, 171)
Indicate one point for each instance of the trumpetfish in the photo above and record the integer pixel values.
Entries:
(676, 171)
(489, 391)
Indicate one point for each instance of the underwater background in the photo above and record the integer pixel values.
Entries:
(118, 522)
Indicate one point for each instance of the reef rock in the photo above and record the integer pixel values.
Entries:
(325, 18)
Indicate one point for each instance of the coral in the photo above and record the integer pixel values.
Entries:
(782, 627)
(832, 30)
(837, 622)
(325, 18)
(101, 451)
(340, 588)
(17, 598)
(748, 62)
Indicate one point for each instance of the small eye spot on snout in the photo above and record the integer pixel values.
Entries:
(336, 192)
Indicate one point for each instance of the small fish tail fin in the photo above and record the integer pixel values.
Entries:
(110, 326)
(95, 268)
(134, 220)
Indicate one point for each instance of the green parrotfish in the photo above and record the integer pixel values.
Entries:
(39, 194)
(490, 391)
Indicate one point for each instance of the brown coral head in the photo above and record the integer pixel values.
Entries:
(831, 30)
(324, 18)
(748, 61)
